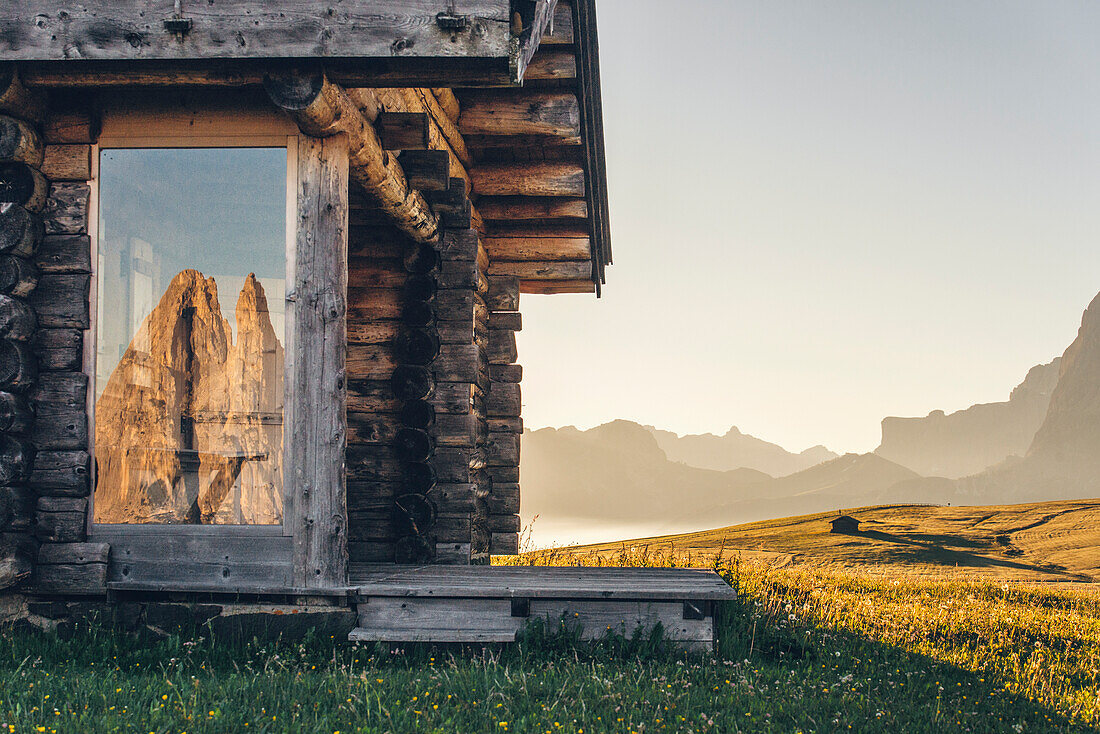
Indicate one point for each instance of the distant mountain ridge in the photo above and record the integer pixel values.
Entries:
(735, 450)
(968, 441)
(1042, 444)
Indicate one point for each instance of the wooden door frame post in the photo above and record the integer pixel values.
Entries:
(316, 425)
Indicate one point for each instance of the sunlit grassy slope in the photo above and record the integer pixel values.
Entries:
(1046, 541)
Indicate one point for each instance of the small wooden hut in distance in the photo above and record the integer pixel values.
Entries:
(844, 524)
(260, 275)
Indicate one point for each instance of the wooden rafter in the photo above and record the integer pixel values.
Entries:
(322, 108)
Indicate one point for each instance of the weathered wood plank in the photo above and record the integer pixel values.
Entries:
(529, 179)
(67, 208)
(551, 286)
(73, 553)
(543, 246)
(61, 473)
(551, 64)
(70, 126)
(502, 347)
(503, 293)
(503, 400)
(317, 515)
(549, 116)
(67, 162)
(59, 349)
(65, 253)
(560, 31)
(543, 270)
(81, 579)
(506, 372)
(520, 208)
(241, 29)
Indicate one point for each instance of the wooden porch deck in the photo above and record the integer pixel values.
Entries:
(481, 604)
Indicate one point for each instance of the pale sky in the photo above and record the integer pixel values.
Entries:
(824, 213)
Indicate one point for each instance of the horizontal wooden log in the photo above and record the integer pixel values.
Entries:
(503, 293)
(61, 473)
(503, 474)
(511, 320)
(17, 551)
(70, 126)
(504, 499)
(374, 332)
(414, 513)
(529, 179)
(503, 449)
(84, 579)
(402, 130)
(503, 400)
(65, 253)
(18, 276)
(61, 301)
(21, 231)
(67, 208)
(17, 319)
(24, 185)
(377, 396)
(504, 524)
(61, 519)
(523, 248)
(426, 170)
(548, 116)
(417, 346)
(19, 101)
(61, 431)
(322, 108)
(502, 347)
(542, 270)
(547, 287)
(551, 64)
(19, 142)
(371, 552)
(58, 393)
(74, 554)
(455, 363)
(505, 372)
(18, 366)
(16, 415)
(504, 544)
(523, 208)
(366, 304)
(67, 162)
(131, 30)
(16, 508)
(58, 349)
(505, 425)
(413, 549)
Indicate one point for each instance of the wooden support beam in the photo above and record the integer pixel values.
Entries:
(537, 246)
(316, 509)
(548, 116)
(562, 26)
(518, 208)
(17, 100)
(551, 64)
(132, 30)
(543, 270)
(447, 101)
(426, 170)
(551, 287)
(321, 109)
(403, 130)
(529, 179)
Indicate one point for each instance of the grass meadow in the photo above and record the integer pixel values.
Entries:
(802, 650)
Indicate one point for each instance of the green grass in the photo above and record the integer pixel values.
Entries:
(801, 650)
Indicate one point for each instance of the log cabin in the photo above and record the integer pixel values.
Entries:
(260, 275)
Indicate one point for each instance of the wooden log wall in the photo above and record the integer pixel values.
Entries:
(503, 414)
(45, 276)
(417, 376)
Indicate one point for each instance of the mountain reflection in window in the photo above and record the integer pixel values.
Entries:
(189, 389)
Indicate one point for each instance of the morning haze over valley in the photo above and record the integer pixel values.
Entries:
(626, 480)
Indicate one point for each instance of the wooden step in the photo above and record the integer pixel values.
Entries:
(397, 634)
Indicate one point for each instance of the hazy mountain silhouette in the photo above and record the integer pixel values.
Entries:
(971, 440)
(1042, 444)
(737, 450)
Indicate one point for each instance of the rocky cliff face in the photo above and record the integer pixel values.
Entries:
(189, 426)
(968, 441)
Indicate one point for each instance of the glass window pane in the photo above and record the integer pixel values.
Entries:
(190, 331)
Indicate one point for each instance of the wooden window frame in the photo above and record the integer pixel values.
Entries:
(308, 550)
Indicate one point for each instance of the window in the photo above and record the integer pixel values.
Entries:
(190, 335)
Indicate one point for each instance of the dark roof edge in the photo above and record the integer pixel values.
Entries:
(591, 103)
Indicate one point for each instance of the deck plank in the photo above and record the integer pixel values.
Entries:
(539, 582)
